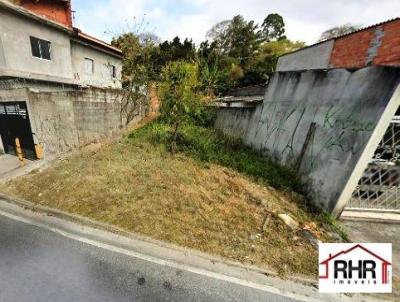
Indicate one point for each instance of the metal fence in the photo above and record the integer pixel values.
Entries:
(379, 187)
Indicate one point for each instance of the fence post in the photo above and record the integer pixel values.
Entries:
(19, 152)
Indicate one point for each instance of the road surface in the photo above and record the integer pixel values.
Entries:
(39, 265)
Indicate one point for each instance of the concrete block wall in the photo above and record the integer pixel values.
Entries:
(318, 122)
(65, 120)
(53, 122)
(96, 114)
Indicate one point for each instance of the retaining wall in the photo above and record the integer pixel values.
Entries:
(319, 122)
(64, 120)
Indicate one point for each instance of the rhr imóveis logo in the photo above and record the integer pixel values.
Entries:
(355, 267)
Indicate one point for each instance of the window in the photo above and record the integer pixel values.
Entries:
(113, 71)
(89, 66)
(41, 48)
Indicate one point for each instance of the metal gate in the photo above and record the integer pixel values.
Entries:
(379, 187)
(14, 122)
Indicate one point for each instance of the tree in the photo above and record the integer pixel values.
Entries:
(149, 37)
(241, 53)
(273, 28)
(234, 46)
(218, 72)
(174, 50)
(178, 91)
(241, 40)
(218, 30)
(210, 78)
(339, 31)
(264, 61)
(137, 73)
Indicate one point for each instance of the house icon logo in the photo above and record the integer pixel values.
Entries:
(355, 268)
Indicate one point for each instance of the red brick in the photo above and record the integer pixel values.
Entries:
(59, 11)
(352, 50)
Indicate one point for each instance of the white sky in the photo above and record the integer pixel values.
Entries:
(305, 19)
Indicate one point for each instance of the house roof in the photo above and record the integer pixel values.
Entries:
(344, 35)
(98, 42)
(350, 250)
(74, 32)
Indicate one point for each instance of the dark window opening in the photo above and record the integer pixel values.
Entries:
(113, 71)
(41, 48)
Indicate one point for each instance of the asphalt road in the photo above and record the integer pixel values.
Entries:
(39, 265)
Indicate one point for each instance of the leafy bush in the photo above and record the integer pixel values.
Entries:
(179, 96)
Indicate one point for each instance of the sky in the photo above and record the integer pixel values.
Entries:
(305, 19)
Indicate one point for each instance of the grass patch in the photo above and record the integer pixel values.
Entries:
(208, 145)
(214, 195)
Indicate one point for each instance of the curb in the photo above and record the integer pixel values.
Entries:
(117, 231)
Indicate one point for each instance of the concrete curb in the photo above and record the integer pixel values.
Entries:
(102, 235)
(371, 216)
(112, 229)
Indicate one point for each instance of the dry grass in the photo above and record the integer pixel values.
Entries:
(140, 187)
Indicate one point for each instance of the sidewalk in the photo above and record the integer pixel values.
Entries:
(376, 232)
(112, 239)
(8, 163)
(10, 167)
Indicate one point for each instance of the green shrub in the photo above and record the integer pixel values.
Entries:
(178, 91)
(210, 146)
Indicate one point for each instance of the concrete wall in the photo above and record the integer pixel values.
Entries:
(35, 85)
(65, 120)
(315, 57)
(2, 56)
(101, 75)
(318, 122)
(15, 32)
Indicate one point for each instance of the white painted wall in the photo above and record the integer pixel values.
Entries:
(101, 75)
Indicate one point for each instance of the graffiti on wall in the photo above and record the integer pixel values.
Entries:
(284, 128)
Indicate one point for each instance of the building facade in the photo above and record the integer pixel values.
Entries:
(37, 48)
(59, 87)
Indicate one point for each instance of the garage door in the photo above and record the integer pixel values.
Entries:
(14, 122)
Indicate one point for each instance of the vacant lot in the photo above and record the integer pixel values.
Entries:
(214, 195)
